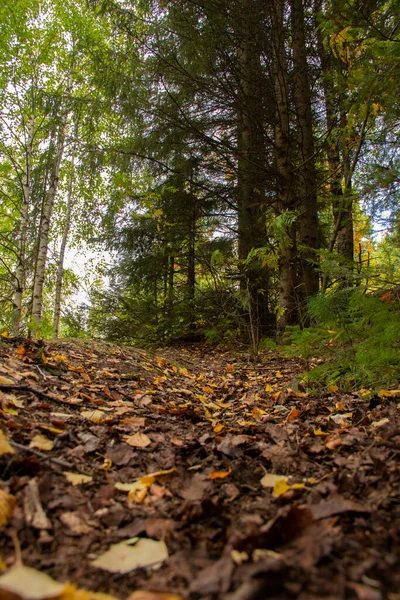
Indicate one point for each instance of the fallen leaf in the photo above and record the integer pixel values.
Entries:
(219, 427)
(294, 413)
(138, 440)
(341, 419)
(333, 388)
(75, 523)
(270, 479)
(42, 443)
(380, 423)
(144, 595)
(6, 381)
(96, 416)
(5, 447)
(268, 388)
(33, 509)
(7, 504)
(77, 478)
(319, 432)
(131, 554)
(219, 474)
(24, 583)
(389, 393)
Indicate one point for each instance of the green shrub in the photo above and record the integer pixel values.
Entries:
(356, 335)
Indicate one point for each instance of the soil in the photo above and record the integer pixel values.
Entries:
(254, 485)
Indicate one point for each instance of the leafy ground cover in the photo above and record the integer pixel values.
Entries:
(191, 474)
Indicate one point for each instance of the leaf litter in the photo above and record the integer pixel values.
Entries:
(232, 479)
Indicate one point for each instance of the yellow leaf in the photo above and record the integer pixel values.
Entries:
(4, 334)
(340, 406)
(389, 393)
(5, 447)
(278, 375)
(96, 416)
(380, 423)
(132, 554)
(320, 432)
(184, 372)
(138, 493)
(77, 478)
(219, 427)
(6, 381)
(269, 388)
(138, 440)
(42, 442)
(219, 474)
(107, 464)
(7, 503)
(24, 583)
(270, 479)
(333, 388)
(280, 488)
(144, 595)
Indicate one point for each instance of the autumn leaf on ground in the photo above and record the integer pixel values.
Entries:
(138, 440)
(24, 583)
(389, 394)
(219, 474)
(282, 486)
(7, 504)
(6, 381)
(77, 478)
(143, 595)
(96, 416)
(132, 554)
(270, 479)
(42, 443)
(5, 447)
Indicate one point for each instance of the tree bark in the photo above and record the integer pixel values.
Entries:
(288, 311)
(308, 235)
(20, 271)
(64, 241)
(44, 230)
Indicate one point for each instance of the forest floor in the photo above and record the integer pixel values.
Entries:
(191, 473)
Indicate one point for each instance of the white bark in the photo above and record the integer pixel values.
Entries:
(20, 271)
(44, 230)
(60, 268)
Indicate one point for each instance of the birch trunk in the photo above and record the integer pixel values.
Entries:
(60, 267)
(44, 230)
(20, 271)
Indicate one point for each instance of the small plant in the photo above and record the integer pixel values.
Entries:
(358, 337)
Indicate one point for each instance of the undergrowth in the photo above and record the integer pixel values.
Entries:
(357, 336)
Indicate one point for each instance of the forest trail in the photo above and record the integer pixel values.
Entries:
(238, 483)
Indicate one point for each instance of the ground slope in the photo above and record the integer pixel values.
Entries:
(238, 482)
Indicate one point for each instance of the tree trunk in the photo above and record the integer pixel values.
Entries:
(20, 270)
(308, 220)
(60, 267)
(251, 173)
(44, 229)
(289, 314)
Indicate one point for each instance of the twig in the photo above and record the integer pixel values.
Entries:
(57, 461)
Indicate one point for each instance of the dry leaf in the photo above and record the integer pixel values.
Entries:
(77, 478)
(144, 595)
(24, 583)
(380, 423)
(6, 381)
(218, 428)
(138, 440)
(268, 388)
(319, 432)
(75, 523)
(132, 554)
(7, 503)
(389, 393)
(42, 443)
(96, 416)
(5, 447)
(294, 413)
(219, 474)
(281, 487)
(34, 512)
(270, 479)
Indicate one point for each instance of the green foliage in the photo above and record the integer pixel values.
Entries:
(358, 337)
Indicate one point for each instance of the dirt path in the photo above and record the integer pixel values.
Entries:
(238, 483)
